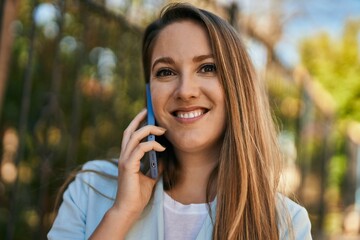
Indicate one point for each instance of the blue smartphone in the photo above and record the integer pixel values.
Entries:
(151, 158)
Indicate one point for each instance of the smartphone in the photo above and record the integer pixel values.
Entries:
(149, 162)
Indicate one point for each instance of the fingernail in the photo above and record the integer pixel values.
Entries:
(162, 129)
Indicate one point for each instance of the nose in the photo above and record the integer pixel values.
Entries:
(187, 88)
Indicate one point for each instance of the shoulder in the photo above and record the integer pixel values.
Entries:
(102, 166)
(293, 218)
(94, 175)
(99, 175)
(95, 180)
(94, 187)
(295, 210)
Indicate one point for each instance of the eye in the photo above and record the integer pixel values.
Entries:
(208, 68)
(164, 73)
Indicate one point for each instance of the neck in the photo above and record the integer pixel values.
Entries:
(194, 176)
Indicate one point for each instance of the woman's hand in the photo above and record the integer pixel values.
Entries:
(134, 188)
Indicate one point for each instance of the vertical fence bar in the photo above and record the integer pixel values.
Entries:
(8, 13)
(357, 191)
(2, 4)
(24, 115)
(72, 149)
(50, 115)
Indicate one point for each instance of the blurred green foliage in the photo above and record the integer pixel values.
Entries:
(87, 86)
(320, 109)
(335, 64)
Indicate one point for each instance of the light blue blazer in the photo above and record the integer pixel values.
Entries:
(90, 195)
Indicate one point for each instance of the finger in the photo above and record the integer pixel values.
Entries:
(132, 163)
(139, 135)
(143, 148)
(134, 124)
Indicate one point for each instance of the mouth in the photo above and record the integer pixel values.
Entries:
(183, 114)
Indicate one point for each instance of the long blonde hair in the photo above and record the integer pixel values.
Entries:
(247, 174)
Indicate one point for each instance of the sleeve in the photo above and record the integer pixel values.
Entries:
(70, 222)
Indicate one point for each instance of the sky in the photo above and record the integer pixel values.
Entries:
(305, 18)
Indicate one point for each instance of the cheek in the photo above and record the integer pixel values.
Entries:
(156, 107)
(159, 100)
(155, 95)
(161, 94)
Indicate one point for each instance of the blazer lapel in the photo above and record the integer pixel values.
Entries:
(151, 224)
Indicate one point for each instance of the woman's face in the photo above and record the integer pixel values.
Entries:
(187, 97)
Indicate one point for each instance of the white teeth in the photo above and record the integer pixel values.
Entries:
(188, 115)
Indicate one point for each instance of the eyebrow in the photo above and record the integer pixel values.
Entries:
(169, 60)
(166, 60)
(202, 57)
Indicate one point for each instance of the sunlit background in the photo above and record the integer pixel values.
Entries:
(70, 81)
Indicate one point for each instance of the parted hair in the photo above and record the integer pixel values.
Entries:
(246, 177)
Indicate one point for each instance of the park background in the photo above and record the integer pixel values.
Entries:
(71, 81)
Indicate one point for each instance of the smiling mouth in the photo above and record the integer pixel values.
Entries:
(190, 114)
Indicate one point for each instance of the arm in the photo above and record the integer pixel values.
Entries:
(84, 209)
(109, 227)
(134, 188)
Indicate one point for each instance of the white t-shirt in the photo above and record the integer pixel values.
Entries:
(183, 222)
(91, 195)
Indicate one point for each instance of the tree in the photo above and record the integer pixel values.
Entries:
(335, 65)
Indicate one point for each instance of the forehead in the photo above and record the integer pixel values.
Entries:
(181, 38)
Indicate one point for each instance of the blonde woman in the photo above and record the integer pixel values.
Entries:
(218, 153)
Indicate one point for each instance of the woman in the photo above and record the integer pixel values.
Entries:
(219, 153)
